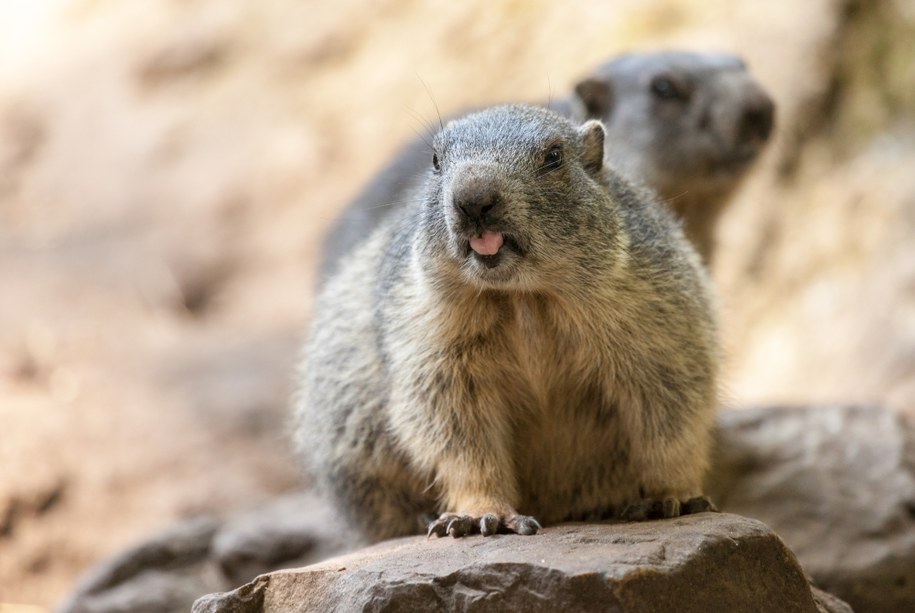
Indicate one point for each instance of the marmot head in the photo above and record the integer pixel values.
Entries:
(693, 122)
(513, 196)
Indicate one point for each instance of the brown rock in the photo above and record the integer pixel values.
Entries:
(161, 574)
(837, 483)
(293, 530)
(700, 563)
(170, 570)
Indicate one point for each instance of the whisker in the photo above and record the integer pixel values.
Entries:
(429, 130)
(441, 124)
(672, 198)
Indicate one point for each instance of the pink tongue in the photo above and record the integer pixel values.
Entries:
(488, 243)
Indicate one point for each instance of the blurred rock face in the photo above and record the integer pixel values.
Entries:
(167, 169)
(820, 299)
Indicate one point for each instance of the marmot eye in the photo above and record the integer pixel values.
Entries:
(436, 166)
(664, 87)
(553, 158)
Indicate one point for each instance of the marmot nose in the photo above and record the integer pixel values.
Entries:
(758, 117)
(477, 202)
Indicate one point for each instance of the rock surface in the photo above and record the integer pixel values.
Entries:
(294, 530)
(157, 575)
(706, 562)
(837, 483)
(169, 571)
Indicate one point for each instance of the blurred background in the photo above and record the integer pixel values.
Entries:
(167, 170)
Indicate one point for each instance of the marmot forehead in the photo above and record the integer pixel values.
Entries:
(515, 127)
(685, 62)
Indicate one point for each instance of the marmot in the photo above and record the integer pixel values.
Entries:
(531, 338)
(687, 125)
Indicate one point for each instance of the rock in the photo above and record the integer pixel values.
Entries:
(705, 562)
(827, 603)
(837, 483)
(290, 531)
(151, 591)
(195, 557)
(161, 574)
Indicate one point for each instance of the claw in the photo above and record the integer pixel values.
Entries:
(666, 508)
(635, 512)
(489, 524)
(699, 504)
(527, 525)
(438, 528)
(670, 507)
(460, 526)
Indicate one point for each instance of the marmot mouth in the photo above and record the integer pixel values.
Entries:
(490, 246)
(487, 243)
(738, 158)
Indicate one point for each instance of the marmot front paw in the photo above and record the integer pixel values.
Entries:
(651, 508)
(457, 524)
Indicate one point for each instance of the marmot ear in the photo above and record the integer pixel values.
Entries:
(592, 145)
(596, 97)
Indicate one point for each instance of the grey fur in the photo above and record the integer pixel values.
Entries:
(693, 147)
(693, 150)
(568, 376)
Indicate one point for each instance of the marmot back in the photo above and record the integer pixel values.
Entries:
(530, 338)
(688, 125)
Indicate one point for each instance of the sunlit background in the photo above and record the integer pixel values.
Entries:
(167, 170)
